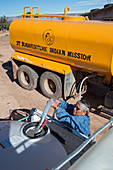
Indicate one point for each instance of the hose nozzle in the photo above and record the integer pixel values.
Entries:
(43, 121)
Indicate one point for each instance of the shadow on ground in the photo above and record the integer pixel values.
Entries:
(9, 70)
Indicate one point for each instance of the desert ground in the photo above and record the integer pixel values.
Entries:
(12, 96)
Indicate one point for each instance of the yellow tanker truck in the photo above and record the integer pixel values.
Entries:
(59, 51)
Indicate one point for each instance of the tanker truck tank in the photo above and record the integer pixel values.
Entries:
(62, 47)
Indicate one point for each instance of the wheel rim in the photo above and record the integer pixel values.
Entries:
(25, 78)
(50, 86)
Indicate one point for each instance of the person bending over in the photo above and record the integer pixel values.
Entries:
(74, 116)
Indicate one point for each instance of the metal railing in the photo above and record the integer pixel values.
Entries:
(32, 15)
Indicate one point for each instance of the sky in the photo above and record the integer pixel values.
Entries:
(15, 8)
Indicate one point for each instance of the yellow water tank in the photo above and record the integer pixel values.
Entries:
(82, 44)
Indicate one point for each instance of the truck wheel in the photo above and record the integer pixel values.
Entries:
(27, 77)
(51, 85)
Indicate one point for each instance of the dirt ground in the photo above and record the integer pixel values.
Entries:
(12, 96)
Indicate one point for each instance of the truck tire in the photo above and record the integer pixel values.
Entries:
(51, 85)
(27, 77)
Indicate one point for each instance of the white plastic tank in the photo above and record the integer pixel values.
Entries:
(99, 156)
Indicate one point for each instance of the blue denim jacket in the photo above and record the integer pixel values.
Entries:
(65, 115)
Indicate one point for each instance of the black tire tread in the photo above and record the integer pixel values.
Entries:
(32, 74)
(56, 79)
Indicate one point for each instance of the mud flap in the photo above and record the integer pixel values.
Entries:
(109, 100)
(69, 85)
(15, 68)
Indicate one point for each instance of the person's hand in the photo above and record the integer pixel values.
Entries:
(54, 104)
(58, 101)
